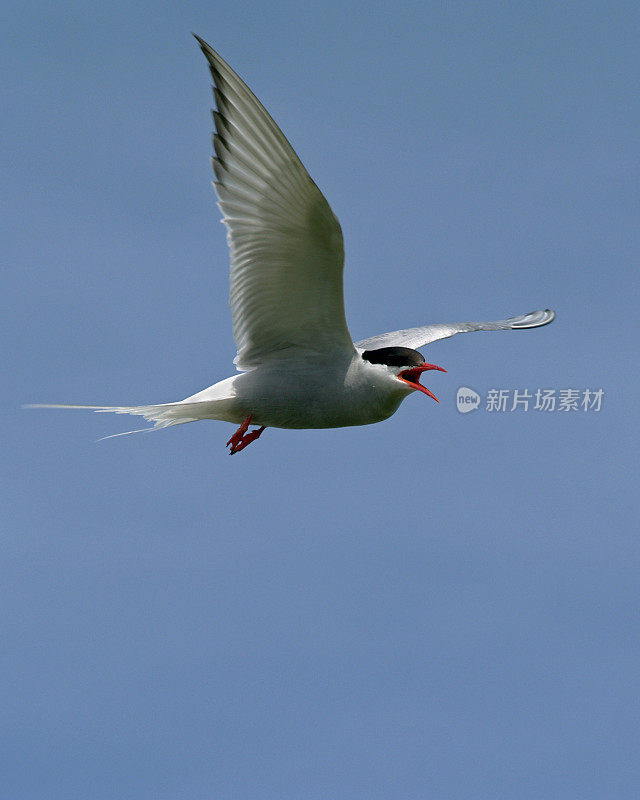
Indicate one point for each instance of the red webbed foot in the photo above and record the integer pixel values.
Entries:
(241, 438)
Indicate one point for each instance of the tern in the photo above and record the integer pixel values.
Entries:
(298, 366)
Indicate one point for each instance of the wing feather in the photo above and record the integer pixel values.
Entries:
(419, 337)
(286, 246)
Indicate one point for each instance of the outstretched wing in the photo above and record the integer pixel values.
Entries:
(418, 337)
(286, 244)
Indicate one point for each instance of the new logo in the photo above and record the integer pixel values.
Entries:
(467, 400)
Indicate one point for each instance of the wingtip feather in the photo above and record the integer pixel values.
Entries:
(534, 319)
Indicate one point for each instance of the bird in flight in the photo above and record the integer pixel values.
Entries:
(298, 366)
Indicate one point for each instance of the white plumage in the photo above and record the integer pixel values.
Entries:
(299, 367)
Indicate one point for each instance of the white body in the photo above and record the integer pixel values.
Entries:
(310, 392)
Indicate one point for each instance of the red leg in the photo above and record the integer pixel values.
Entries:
(241, 438)
(250, 437)
(237, 436)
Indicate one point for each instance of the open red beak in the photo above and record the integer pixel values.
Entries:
(412, 377)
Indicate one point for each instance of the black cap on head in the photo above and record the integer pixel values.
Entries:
(394, 356)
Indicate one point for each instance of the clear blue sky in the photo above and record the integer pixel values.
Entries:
(437, 606)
